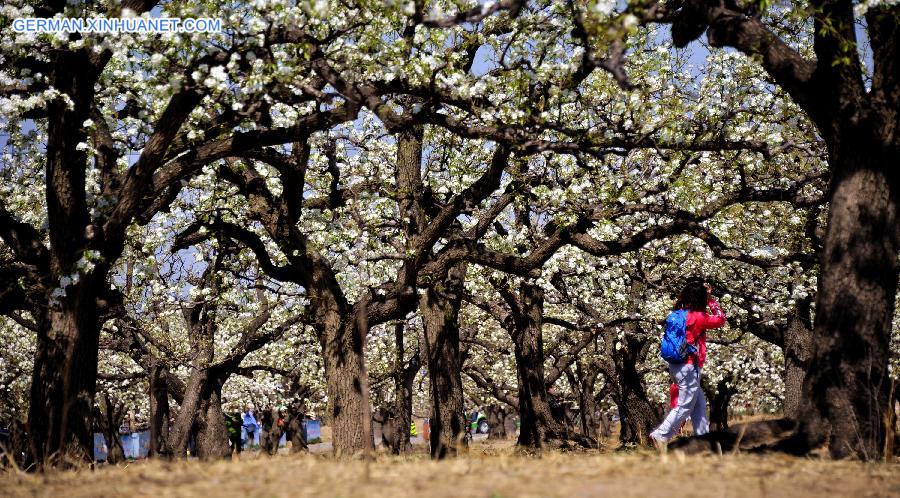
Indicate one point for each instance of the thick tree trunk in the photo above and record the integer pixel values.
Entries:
(439, 306)
(538, 428)
(159, 410)
(719, 402)
(64, 379)
(404, 377)
(638, 416)
(212, 433)
(65, 367)
(797, 351)
(201, 322)
(296, 432)
(586, 382)
(180, 434)
(403, 411)
(846, 389)
(496, 418)
(270, 432)
(347, 383)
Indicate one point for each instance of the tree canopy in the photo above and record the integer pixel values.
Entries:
(353, 208)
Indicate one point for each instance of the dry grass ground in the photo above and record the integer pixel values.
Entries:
(488, 471)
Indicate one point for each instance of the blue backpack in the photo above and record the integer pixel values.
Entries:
(674, 346)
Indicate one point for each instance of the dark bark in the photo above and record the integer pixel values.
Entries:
(159, 410)
(346, 381)
(797, 350)
(439, 305)
(404, 377)
(585, 381)
(497, 415)
(211, 431)
(638, 415)
(110, 417)
(200, 412)
(201, 324)
(294, 425)
(64, 379)
(341, 328)
(387, 419)
(18, 445)
(846, 389)
(65, 367)
(719, 402)
(270, 431)
(538, 429)
(180, 433)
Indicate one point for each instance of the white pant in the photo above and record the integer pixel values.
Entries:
(691, 403)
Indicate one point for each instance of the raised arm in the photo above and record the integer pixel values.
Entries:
(716, 317)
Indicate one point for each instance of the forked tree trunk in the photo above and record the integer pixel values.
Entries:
(846, 388)
(180, 435)
(111, 418)
(404, 377)
(439, 306)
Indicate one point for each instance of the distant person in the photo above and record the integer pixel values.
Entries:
(250, 425)
(694, 299)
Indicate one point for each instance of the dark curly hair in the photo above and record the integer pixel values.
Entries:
(693, 296)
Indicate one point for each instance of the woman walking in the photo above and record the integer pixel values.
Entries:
(695, 298)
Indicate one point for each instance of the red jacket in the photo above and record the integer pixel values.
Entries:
(698, 322)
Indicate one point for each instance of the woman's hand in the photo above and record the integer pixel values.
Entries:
(708, 291)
